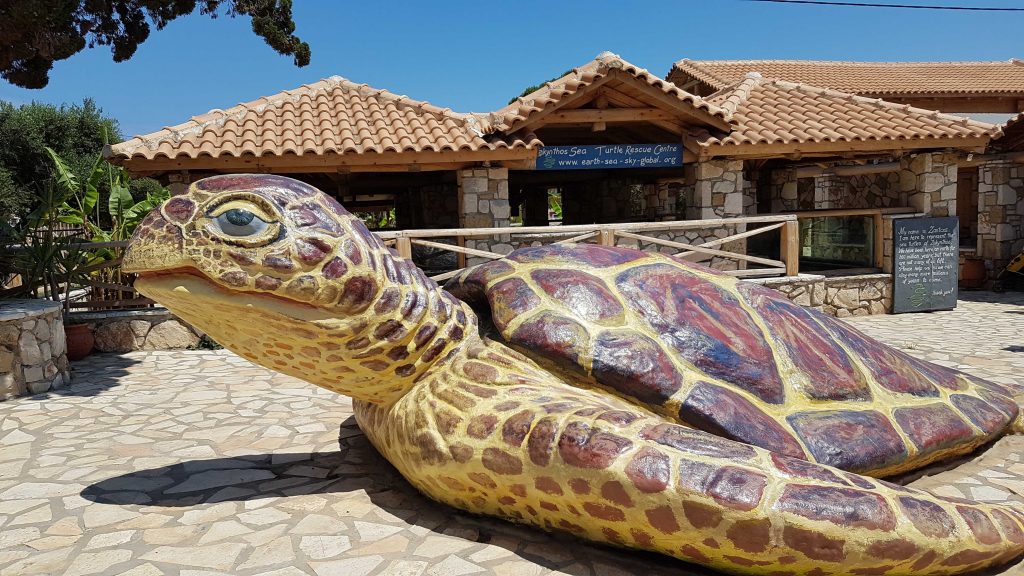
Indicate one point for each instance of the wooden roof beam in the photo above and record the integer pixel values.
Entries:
(609, 115)
(369, 162)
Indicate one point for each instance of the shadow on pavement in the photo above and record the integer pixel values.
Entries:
(356, 467)
(94, 375)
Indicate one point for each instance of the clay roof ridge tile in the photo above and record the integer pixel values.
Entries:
(696, 70)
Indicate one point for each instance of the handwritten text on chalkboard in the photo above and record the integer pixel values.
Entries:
(925, 264)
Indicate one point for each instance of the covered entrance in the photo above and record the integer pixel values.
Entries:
(543, 198)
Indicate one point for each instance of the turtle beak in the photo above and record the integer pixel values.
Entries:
(156, 245)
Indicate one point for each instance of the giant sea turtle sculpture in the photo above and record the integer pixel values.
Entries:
(652, 404)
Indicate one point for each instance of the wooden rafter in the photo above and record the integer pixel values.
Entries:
(661, 106)
(588, 115)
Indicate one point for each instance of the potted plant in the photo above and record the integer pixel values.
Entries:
(47, 264)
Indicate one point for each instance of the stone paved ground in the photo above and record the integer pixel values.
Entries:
(199, 463)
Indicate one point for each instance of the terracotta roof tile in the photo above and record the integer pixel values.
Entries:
(865, 78)
(557, 90)
(1012, 138)
(333, 115)
(767, 111)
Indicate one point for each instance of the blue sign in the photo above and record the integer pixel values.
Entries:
(610, 156)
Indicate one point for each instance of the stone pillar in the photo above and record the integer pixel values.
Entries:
(1000, 213)
(829, 191)
(483, 203)
(33, 356)
(784, 190)
(719, 188)
(928, 181)
(720, 193)
(670, 198)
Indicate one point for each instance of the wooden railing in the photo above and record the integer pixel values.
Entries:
(644, 235)
(113, 290)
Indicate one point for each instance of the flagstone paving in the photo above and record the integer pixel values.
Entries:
(200, 463)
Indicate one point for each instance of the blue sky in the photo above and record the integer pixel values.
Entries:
(474, 56)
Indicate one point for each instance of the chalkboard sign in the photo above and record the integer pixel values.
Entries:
(610, 156)
(925, 264)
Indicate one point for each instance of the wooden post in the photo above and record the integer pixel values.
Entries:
(879, 243)
(606, 237)
(460, 258)
(789, 247)
(404, 246)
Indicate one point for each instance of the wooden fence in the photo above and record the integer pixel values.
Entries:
(645, 235)
(111, 289)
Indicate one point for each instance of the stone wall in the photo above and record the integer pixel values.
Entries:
(143, 330)
(879, 190)
(33, 355)
(862, 295)
(720, 191)
(925, 181)
(784, 191)
(844, 296)
(829, 192)
(1000, 214)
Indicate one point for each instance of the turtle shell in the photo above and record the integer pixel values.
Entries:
(733, 358)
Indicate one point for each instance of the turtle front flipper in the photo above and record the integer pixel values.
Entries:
(492, 434)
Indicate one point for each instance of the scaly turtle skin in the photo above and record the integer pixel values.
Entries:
(733, 358)
(283, 275)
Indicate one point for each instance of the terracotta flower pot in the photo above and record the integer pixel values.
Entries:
(80, 340)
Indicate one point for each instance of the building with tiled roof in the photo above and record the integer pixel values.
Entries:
(614, 142)
(330, 119)
(770, 112)
(1012, 138)
(996, 87)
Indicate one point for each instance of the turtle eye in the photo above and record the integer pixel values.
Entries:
(240, 223)
(243, 223)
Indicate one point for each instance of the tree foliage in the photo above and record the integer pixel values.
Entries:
(77, 133)
(536, 87)
(38, 33)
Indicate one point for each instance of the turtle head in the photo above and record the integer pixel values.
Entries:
(282, 274)
(263, 234)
